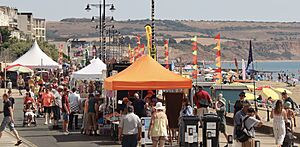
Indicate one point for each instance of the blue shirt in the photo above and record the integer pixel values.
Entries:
(237, 119)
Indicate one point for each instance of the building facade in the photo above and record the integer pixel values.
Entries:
(39, 29)
(25, 24)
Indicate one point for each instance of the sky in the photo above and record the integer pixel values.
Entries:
(234, 10)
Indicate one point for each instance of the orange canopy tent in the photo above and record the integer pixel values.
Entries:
(146, 74)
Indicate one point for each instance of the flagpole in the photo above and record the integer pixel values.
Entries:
(253, 76)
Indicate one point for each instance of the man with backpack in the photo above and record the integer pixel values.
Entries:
(203, 101)
(244, 122)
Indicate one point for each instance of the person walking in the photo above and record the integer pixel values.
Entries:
(9, 119)
(21, 84)
(286, 98)
(11, 99)
(203, 101)
(65, 110)
(158, 129)
(249, 122)
(238, 105)
(186, 110)
(220, 106)
(91, 105)
(130, 128)
(75, 108)
(57, 106)
(237, 121)
(289, 127)
(47, 99)
(280, 117)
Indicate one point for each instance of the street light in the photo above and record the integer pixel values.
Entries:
(102, 49)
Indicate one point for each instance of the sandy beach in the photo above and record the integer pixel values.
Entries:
(295, 90)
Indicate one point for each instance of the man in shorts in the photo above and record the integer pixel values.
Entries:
(56, 106)
(65, 110)
(47, 99)
(8, 119)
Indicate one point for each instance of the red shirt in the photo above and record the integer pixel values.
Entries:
(28, 99)
(202, 94)
(47, 99)
(65, 100)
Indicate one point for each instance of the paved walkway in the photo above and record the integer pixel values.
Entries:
(8, 140)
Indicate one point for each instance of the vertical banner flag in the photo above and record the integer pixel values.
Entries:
(218, 60)
(142, 50)
(166, 46)
(60, 54)
(195, 57)
(149, 38)
(137, 49)
(130, 54)
(151, 51)
(250, 59)
(243, 69)
(236, 66)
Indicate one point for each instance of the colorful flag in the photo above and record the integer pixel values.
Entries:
(250, 58)
(195, 57)
(60, 54)
(166, 46)
(149, 37)
(218, 70)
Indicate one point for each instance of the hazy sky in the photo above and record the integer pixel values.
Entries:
(257, 10)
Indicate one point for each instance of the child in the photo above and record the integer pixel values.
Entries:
(29, 112)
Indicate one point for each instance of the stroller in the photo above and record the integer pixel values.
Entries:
(29, 114)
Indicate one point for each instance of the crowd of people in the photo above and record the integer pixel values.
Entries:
(54, 101)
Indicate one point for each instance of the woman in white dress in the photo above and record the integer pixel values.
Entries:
(279, 117)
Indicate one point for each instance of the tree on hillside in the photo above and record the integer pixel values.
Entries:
(4, 35)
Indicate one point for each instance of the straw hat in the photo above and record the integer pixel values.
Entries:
(159, 106)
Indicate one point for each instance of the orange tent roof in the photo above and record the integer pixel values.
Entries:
(146, 74)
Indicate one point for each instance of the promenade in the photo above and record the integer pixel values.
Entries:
(43, 134)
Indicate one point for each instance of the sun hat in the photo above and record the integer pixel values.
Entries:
(222, 100)
(288, 105)
(159, 106)
(242, 94)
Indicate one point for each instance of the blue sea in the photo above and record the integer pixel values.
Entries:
(287, 67)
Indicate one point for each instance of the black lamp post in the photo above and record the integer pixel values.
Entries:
(102, 49)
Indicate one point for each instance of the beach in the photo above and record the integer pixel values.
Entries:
(295, 90)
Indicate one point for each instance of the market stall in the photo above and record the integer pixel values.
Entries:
(94, 71)
(36, 58)
(146, 74)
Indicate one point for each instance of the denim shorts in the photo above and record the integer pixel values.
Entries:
(7, 121)
(65, 116)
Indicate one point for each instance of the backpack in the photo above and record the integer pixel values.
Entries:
(241, 133)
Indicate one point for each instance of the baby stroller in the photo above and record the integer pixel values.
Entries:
(29, 114)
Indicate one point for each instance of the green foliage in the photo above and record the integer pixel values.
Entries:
(16, 48)
(5, 33)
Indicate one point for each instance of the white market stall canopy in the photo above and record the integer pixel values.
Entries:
(93, 71)
(36, 58)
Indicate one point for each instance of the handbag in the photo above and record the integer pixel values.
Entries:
(241, 134)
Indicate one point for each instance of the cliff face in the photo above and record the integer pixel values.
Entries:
(271, 40)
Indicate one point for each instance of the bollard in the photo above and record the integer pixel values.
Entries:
(228, 106)
(143, 141)
(257, 143)
(230, 141)
(268, 114)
